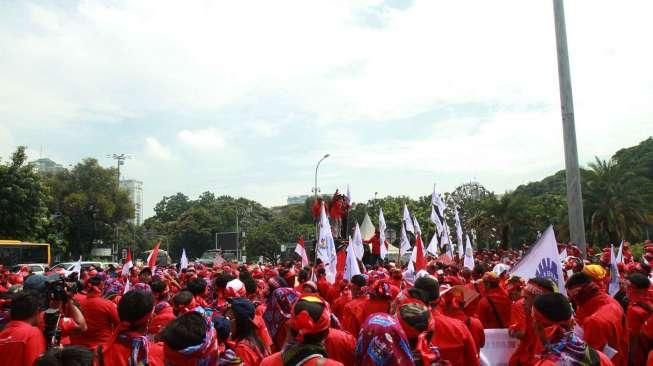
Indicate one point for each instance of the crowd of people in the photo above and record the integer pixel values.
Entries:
(286, 314)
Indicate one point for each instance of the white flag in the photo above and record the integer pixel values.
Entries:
(351, 265)
(620, 254)
(367, 228)
(127, 287)
(77, 268)
(433, 245)
(407, 221)
(418, 230)
(468, 262)
(384, 249)
(613, 287)
(183, 262)
(459, 231)
(358, 243)
(404, 244)
(542, 260)
(437, 200)
(348, 195)
(436, 220)
(326, 248)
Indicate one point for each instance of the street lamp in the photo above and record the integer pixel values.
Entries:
(316, 167)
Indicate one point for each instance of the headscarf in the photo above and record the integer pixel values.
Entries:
(381, 341)
(202, 354)
(278, 308)
(136, 341)
(595, 271)
(144, 287)
(235, 288)
(296, 351)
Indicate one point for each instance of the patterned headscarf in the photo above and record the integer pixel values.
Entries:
(381, 341)
(278, 309)
(202, 354)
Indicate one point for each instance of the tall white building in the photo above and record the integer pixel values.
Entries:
(135, 189)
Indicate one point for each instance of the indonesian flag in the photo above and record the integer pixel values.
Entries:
(154, 254)
(129, 263)
(300, 249)
(384, 245)
(420, 261)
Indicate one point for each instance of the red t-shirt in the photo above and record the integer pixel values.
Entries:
(21, 344)
(117, 354)
(454, 340)
(340, 346)
(275, 360)
(487, 314)
(101, 318)
(161, 318)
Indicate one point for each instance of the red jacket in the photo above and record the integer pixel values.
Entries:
(340, 346)
(117, 354)
(603, 322)
(20, 344)
(472, 323)
(356, 311)
(101, 318)
(486, 311)
(454, 340)
(530, 345)
(604, 361)
(275, 360)
(163, 314)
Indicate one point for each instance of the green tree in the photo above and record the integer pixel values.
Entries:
(89, 198)
(265, 239)
(615, 202)
(23, 197)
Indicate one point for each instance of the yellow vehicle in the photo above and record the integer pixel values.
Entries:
(14, 252)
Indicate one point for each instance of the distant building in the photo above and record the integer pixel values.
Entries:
(47, 166)
(135, 189)
(297, 200)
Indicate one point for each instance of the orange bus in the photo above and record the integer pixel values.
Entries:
(14, 252)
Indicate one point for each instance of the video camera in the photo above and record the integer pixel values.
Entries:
(56, 288)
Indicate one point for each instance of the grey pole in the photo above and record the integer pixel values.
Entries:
(574, 194)
(237, 238)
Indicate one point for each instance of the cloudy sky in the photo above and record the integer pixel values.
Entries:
(243, 97)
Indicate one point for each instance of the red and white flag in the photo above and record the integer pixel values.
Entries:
(154, 254)
(218, 261)
(300, 249)
(420, 261)
(129, 263)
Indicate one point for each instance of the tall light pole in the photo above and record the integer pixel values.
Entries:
(574, 194)
(120, 160)
(316, 167)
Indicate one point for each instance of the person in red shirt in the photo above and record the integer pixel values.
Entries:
(101, 316)
(249, 346)
(600, 316)
(640, 308)
(450, 336)
(494, 307)
(163, 313)
(452, 305)
(309, 327)
(521, 322)
(21, 342)
(129, 344)
(553, 324)
(190, 340)
(354, 312)
(382, 341)
(376, 247)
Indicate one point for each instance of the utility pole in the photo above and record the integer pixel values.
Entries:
(120, 160)
(574, 194)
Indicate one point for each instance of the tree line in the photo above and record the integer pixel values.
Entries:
(80, 208)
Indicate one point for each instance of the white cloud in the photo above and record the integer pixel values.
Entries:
(209, 139)
(265, 129)
(154, 149)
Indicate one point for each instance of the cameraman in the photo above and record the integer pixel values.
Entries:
(62, 317)
(21, 343)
